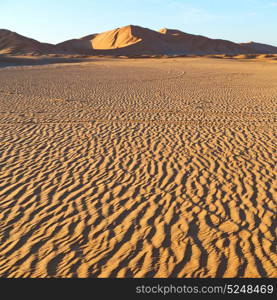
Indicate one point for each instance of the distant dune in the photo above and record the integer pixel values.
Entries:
(260, 48)
(196, 44)
(128, 40)
(135, 40)
(132, 41)
(13, 43)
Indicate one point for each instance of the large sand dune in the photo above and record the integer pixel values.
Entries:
(260, 48)
(13, 43)
(136, 40)
(131, 41)
(138, 168)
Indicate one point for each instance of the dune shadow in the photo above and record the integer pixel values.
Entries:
(15, 61)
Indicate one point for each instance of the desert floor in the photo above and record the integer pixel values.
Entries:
(138, 168)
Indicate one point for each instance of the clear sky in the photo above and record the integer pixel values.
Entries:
(55, 21)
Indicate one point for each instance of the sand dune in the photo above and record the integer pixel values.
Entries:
(131, 41)
(260, 48)
(127, 40)
(138, 168)
(136, 40)
(13, 43)
(196, 44)
(118, 38)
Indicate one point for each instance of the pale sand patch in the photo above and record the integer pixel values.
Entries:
(138, 168)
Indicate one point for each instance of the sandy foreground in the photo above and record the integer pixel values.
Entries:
(138, 168)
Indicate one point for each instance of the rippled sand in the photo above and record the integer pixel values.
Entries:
(138, 168)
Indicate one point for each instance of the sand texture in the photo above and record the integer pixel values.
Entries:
(138, 168)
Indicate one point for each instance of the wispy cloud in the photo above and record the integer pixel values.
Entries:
(273, 4)
(189, 12)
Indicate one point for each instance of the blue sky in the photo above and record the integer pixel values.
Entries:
(58, 20)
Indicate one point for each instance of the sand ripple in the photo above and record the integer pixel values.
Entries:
(111, 187)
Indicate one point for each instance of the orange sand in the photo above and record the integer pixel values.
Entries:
(138, 168)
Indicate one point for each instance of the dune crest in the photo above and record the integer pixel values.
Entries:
(117, 38)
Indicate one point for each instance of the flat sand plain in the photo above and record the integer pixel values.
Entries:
(138, 168)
